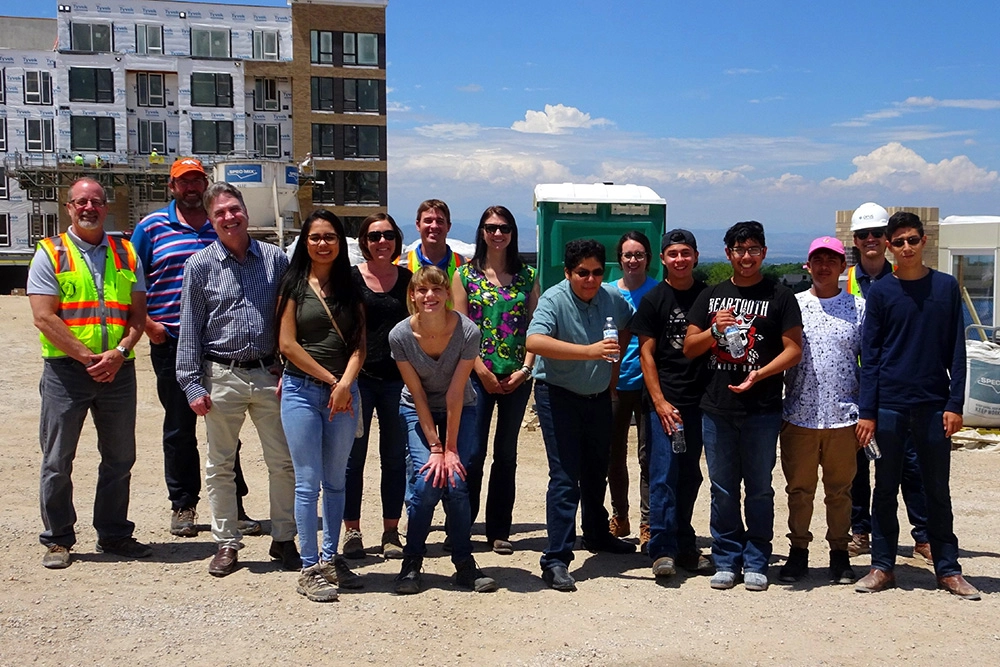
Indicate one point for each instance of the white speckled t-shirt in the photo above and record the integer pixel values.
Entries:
(822, 391)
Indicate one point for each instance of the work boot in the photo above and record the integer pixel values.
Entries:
(840, 568)
(796, 567)
(859, 545)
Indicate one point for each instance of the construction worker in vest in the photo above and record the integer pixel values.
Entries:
(433, 225)
(88, 299)
(868, 225)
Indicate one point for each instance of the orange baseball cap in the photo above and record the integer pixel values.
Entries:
(186, 165)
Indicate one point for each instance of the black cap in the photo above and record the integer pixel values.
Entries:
(678, 236)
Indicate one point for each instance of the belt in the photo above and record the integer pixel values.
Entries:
(263, 362)
(570, 391)
(308, 378)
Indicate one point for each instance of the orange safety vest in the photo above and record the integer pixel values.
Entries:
(413, 262)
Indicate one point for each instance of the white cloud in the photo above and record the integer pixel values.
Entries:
(742, 70)
(916, 104)
(492, 166)
(470, 88)
(448, 130)
(900, 168)
(556, 119)
(396, 107)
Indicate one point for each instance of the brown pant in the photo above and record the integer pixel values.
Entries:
(803, 451)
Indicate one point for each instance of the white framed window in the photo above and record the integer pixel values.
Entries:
(37, 87)
(149, 89)
(210, 42)
(4, 186)
(212, 136)
(91, 37)
(3, 86)
(265, 45)
(5, 230)
(148, 39)
(152, 137)
(89, 133)
(267, 139)
(39, 135)
(265, 95)
(88, 84)
(42, 194)
(3, 134)
(361, 48)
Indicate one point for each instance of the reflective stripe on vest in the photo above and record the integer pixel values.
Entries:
(853, 286)
(413, 262)
(97, 318)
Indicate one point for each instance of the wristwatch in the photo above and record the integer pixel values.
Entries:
(123, 350)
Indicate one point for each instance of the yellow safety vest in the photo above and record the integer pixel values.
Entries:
(853, 286)
(97, 318)
(413, 262)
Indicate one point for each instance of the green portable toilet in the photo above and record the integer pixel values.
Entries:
(599, 211)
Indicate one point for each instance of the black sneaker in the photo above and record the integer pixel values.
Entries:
(468, 575)
(407, 582)
(127, 547)
(796, 567)
(609, 543)
(841, 571)
(287, 554)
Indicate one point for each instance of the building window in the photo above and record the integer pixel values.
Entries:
(4, 186)
(3, 86)
(3, 134)
(152, 137)
(267, 139)
(39, 135)
(42, 194)
(361, 141)
(88, 133)
(361, 95)
(211, 89)
(41, 226)
(361, 48)
(322, 93)
(207, 43)
(323, 141)
(212, 136)
(149, 89)
(321, 43)
(5, 230)
(324, 187)
(90, 37)
(148, 39)
(265, 45)
(87, 84)
(265, 95)
(37, 87)
(361, 187)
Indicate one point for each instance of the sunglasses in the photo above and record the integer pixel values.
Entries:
(375, 237)
(863, 234)
(493, 229)
(913, 241)
(584, 273)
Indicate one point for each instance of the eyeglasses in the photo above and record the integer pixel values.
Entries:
(584, 273)
(329, 238)
(863, 234)
(493, 229)
(375, 237)
(913, 241)
(753, 251)
(637, 256)
(82, 203)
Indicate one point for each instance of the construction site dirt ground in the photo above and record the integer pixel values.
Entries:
(167, 610)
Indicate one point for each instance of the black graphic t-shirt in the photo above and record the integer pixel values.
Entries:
(763, 312)
(663, 315)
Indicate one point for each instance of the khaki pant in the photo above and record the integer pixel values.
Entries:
(236, 392)
(803, 451)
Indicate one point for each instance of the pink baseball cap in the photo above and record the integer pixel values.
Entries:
(827, 243)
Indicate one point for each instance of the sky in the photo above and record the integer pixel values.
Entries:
(783, 112)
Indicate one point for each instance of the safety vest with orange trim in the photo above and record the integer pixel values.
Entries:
(413, 262)
(96, 317)
(853, 286)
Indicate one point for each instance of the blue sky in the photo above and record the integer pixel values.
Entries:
(782, 112)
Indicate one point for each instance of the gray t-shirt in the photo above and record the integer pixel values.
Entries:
(435, 374)
(42, 275)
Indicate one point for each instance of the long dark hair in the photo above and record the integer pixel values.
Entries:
(513, 259)
(346, 296)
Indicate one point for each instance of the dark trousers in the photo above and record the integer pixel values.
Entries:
(181, 463)
(577, 434)
(912, 489)
(381, 397)
(922, 424)
(626, 405)
(68, 394)
(500, 495)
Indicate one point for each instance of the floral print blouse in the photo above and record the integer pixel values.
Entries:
(502, 316)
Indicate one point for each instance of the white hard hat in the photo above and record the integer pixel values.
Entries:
(869, 216)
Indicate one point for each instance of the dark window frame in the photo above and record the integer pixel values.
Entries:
(219, 134)
(103, 131)
(143, 90)
(211, 53)
(75, 39)
(92, 84)
(146, 128)
(322, 93)
(317, 54)
(262, 98)
(221, 82)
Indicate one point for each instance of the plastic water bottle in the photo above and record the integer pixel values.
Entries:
(611, 333)
(872, 451)
(678, 443)
(734, 342)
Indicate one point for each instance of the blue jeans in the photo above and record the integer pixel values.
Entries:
(741, 450)
(577, 434)
(674, 480)
(319, 447)
(420, 511)
(68, 394)
(500, 497)
(923, 424)
(913, 496)
(381, 396)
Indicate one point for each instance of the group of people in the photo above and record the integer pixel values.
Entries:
(313, 348)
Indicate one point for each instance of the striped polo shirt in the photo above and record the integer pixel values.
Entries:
(164, 243)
